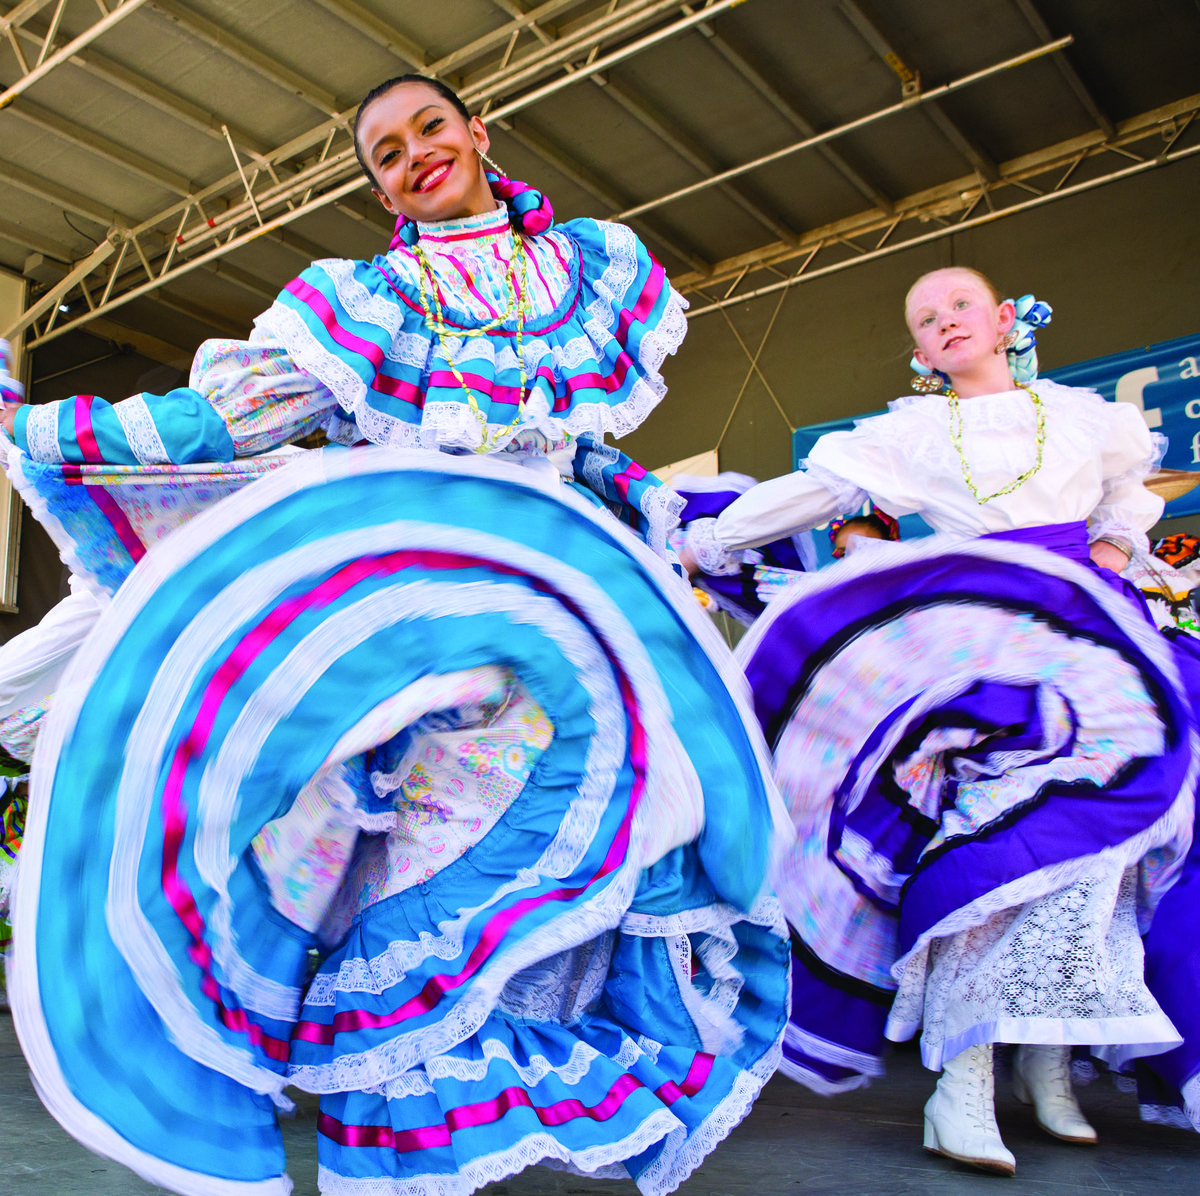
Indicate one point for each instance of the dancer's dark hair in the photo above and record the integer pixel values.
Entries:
(447, 93)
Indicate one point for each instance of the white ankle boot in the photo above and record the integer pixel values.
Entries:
(1042, 1078)
(960, 1116)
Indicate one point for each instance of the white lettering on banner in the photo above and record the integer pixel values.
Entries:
(1196, 449)
(1190, 367)
(1192, 409)
(1129, 390)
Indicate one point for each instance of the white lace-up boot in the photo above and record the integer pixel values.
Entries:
(960, 1116)
(1042, 1078)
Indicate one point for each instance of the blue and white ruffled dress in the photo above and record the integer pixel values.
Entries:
(430, 722)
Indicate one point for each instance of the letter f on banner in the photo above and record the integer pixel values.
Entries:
(1129, 390)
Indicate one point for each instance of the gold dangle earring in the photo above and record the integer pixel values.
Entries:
(492, 164)
(1006, 342)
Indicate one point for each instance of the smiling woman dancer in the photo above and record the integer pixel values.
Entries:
(401, 717)
(986, 748)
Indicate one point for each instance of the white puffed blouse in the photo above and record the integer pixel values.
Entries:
(1096, 457)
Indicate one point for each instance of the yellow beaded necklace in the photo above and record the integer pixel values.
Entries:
(436, 323)
(956, 428)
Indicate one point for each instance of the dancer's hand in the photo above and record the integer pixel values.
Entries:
(12, 393)
(1109, 556)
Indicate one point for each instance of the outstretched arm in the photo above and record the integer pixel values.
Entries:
(770, 511)
(245, 397)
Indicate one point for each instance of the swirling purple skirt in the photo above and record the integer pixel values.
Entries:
(960, 727)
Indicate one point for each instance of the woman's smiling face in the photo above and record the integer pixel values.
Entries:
(423, 155)
(955, 321)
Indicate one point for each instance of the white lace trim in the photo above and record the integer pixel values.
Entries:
(531, 1151)
(1138, 541)
(849, 497)
(825, 1051)
(710, 554)
(602, 455)
(1172, 829)
(367, 307)
(41, 433)
(684, 1152)
(612, 287)
(388, 1059)
(821, 1085)
(141, 431)
(1170, 1115)
(562, 988)
(1127, 1038)
(662, 508)
(419, 1081)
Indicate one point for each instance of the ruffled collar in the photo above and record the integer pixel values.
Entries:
(468, 234)
(1016, 398)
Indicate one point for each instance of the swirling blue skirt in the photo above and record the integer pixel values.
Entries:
(597, 983)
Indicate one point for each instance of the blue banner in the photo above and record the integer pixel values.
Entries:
(1162, 380)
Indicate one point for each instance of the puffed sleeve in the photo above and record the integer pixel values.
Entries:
(262, 396)
(175, 428)
(785, 506)
(1131, 452)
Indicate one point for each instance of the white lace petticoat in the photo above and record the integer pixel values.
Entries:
(1065, 968)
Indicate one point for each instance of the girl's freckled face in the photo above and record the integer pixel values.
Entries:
(423, 155)
(954, 321)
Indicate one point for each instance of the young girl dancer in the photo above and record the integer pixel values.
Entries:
(400, 717)
(987, 750)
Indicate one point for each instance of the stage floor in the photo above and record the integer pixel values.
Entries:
(866, 1143)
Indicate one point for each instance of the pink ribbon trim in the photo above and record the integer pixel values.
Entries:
(473, 1116)
(174, 809)
(88, 447)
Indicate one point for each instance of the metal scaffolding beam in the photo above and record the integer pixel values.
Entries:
(102, 147)
(49, 58)
(684, 147)
(861, 122)
(958, 198)
(788, 111)
(379, 31)
(253, 59)
(558, 158)
(1067, 70)
(910, 83)
(167, 236)
(154, 94)
(1037, 201)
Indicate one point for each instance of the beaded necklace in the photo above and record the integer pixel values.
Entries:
(436, 323)
(956, 428)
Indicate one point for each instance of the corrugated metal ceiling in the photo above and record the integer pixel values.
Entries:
(133, 130)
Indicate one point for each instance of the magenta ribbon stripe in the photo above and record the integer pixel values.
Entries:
(323, 310)
(529, 330)
(490, 1111)
(645, 304)
(473, 235)
(110, 509)
(83, 430)
(174, 809)
(632, 473)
